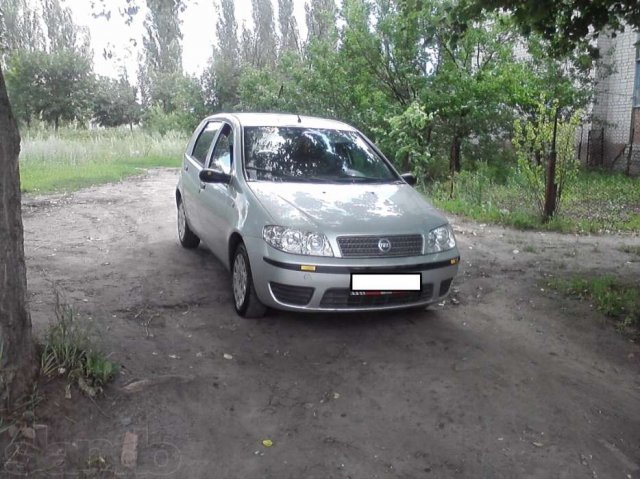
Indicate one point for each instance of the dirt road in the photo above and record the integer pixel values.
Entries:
(513, 381)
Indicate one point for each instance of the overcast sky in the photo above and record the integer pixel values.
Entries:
(198, 27)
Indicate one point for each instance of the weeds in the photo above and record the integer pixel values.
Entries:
(68, 351)
(612, 297)
(598, 202)
(630, 249)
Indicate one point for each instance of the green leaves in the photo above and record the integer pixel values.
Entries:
(533, 143)
(55, 86)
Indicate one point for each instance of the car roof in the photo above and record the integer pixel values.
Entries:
(285, 120)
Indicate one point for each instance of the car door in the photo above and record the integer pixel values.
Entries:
(219, 213)
(194, 161)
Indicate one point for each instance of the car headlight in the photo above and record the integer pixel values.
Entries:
(440, 239)
(291, 240)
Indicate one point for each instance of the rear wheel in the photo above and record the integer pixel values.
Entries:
(187, 238)
(245, 300)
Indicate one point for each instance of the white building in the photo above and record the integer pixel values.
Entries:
(613, 138)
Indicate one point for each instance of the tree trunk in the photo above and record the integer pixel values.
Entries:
(17, 364)
(454, 159)
(551, 187)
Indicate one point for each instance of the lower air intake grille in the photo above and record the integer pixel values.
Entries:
(342, 298)
(291, 294)
(444, 286)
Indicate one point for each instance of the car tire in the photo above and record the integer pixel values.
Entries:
(245, 299)
(187, 238)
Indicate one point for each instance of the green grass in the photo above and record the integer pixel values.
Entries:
(73, 159)
(598, 202)
(69, 351)
(614, 298)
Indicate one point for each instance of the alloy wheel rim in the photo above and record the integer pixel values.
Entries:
(182, 221)
(239, 280)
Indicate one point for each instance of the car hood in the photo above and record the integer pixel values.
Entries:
(349, 208)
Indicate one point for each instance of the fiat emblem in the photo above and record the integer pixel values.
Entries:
(384, 245)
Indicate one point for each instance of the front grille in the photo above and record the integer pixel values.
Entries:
(444, 286)
(291, 294)
(342, 298)
(367, 245)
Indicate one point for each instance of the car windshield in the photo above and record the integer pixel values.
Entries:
(297, 154)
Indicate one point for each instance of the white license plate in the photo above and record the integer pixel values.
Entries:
(386, 282)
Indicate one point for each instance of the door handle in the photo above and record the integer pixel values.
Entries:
(203, 186)
(186, 168)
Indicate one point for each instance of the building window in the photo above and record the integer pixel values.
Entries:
(636, 88)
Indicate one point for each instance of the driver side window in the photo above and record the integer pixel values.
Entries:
(222, 156)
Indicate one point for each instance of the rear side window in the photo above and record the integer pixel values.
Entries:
(221, 157)
(204, 140)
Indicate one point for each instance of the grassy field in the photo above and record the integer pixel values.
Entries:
(72, 159)
(598, 202)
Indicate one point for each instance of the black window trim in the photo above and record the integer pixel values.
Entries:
(209, 150)
(209, 157)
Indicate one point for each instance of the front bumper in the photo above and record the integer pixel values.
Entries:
(287, 282)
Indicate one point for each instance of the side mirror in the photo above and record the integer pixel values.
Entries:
(208, 175)
(409, 178)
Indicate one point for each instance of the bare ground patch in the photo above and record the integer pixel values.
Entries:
(509, 380)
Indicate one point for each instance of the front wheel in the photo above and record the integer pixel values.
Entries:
(187, 238)
(245, 300)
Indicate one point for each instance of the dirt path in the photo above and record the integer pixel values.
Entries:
(513, 381)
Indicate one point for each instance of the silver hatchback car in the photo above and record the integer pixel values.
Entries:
(308, 215)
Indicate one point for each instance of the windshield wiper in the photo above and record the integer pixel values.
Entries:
(360, 179)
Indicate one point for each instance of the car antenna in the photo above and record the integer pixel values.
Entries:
(299, 119)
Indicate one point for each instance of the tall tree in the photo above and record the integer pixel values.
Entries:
(162, 52)
(220, 78)
(48, 72)
(163, 36)
(17, 353)
(321, 19)
(20, 27)
(289, 41)
(264, 34)
(62, 33)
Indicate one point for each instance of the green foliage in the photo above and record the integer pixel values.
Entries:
(175, 102)
(409, 133)
(55, 86)
(115, 103)
(568, 27)
(614, 298)
(533, 143)
(68, 351)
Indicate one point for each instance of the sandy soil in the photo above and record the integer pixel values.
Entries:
(512, 381)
